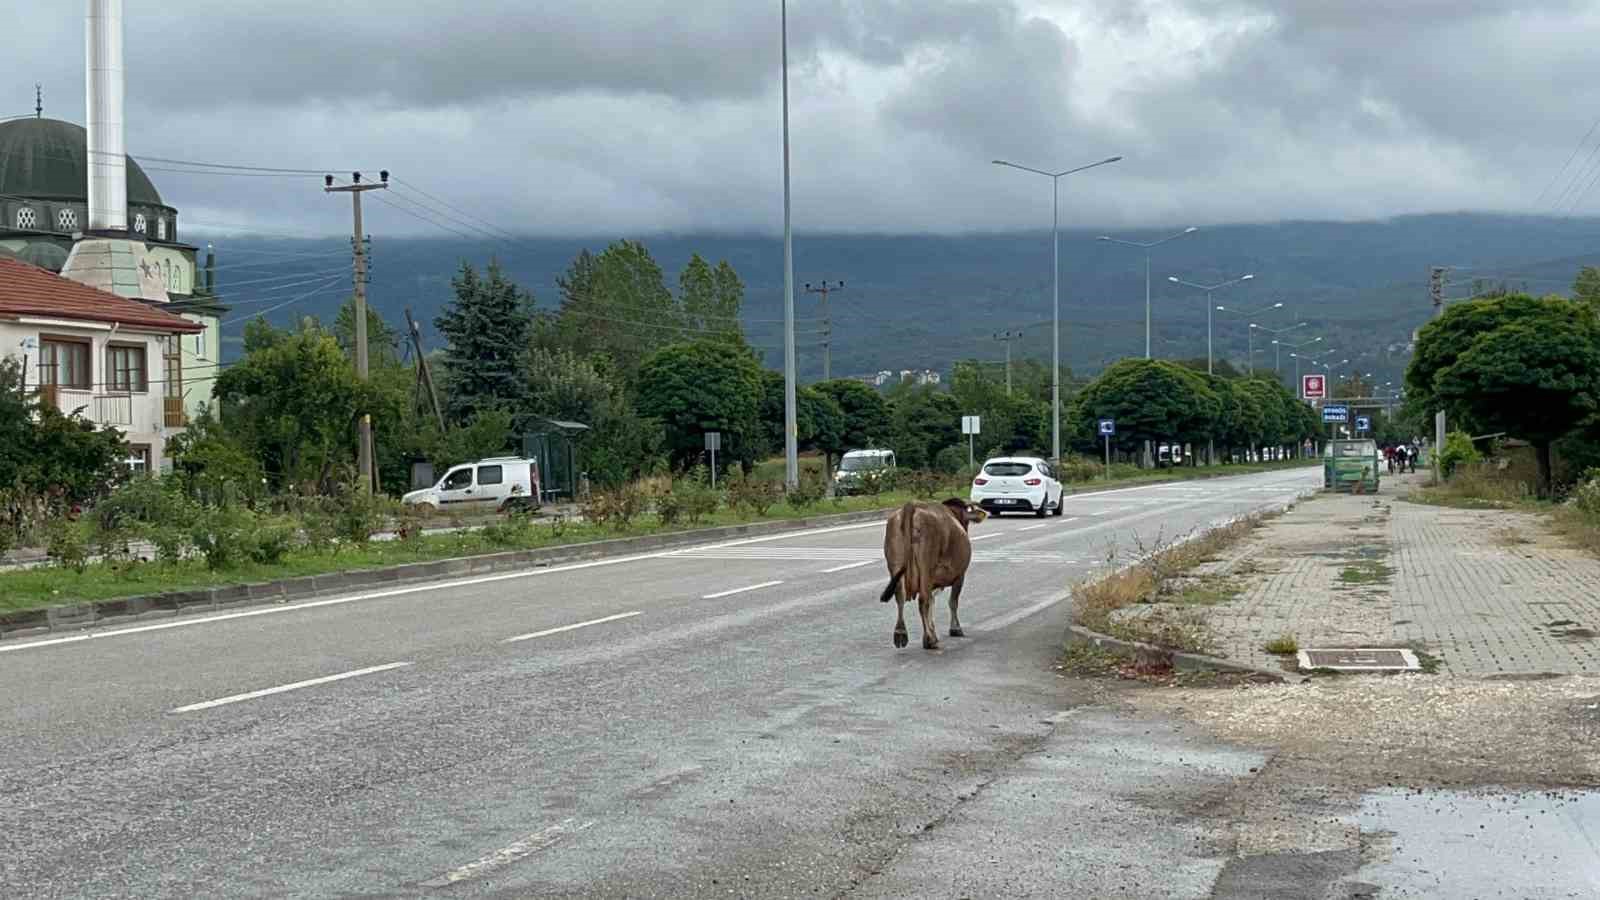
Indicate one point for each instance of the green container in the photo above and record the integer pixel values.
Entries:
(1347, 465)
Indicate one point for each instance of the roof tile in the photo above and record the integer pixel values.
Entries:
(31, 291)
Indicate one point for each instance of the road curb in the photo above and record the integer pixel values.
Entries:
(1077, 635)
(78, 616)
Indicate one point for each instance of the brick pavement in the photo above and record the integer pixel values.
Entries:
(1490, 592)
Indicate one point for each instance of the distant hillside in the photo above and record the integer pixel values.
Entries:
(921, 301)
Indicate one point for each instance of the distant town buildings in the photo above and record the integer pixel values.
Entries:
(904, 376)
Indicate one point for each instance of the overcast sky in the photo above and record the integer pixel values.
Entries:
(639, 116)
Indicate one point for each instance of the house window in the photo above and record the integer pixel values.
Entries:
(172, 367)
(128, 372)
(64, 363)
(66, 219)
(26, 217)
(139, 458)
(138, 223)
(161, 228)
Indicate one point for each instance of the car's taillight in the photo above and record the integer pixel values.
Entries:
(980, 481)
(1032, 482)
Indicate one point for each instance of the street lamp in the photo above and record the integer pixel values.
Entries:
(1055, 315)
(1282, 344)
(791, 428)
(1277, 355)
(1251, 330)
(1146, 246)
(1208, 288)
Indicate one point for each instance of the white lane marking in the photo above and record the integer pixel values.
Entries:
(533, 843)
(739, 590)
(7, 647)
(854, 565)
(984, 537)
(1033, 527)
(1017, 615)
(267, 692)
(574, 626)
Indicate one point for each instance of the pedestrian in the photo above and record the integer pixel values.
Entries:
(1411, 458)
(1388, 455)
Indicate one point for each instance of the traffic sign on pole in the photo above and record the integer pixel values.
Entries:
(1313, 387)
(1336, 414)
(1108, 427)
(1363, 423)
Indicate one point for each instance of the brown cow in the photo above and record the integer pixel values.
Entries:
(927, 550)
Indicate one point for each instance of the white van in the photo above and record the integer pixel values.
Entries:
(861, 464)
(499, 484)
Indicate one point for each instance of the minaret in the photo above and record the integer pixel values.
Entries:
(108, 257)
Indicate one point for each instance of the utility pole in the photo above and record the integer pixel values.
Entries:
(824, 290)
(1008, 337)
(358, 244)
(424, 373)
(1436, 294)
(791, 430)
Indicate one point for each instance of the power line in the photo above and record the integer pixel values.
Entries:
(450, 205)
(291, 301)
(1575, 151)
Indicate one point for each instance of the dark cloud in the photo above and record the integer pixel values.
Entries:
(647, 115)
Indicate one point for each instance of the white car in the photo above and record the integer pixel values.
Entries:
(488, 485)
(1018, 484)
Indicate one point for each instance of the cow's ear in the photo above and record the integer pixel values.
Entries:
(976, 513)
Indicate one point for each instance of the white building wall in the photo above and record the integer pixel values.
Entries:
(139, 415)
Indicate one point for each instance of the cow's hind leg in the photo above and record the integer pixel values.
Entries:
(955, 610)
(930, 634)
(900, 638)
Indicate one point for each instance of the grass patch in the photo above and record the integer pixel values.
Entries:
(1366, 571)
(1282, 646)
(1581, 529)
(1151, 580)
(1428, 663)
(1206, 590)
(1089, 660)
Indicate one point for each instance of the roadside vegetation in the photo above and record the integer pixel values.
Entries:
(1158, 576)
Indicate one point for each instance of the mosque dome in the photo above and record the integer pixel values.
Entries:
(47, 159)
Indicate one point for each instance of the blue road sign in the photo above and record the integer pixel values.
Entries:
(1363, 423)
(1336, 414)
(1108, 426)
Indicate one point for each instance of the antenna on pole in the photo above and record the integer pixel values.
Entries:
(38, 100)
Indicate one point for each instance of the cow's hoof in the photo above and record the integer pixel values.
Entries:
(930, 644)
(957, 632)
(900, 639)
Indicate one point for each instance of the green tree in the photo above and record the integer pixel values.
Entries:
(924, 421)
(1536, 378)
(710, 299)
(617, 304)
(699, 387)
(292, 403)
(383, 342)
(1152, 400)
(43, 451)
(486, 327)
(866, 417)
(1586, 287)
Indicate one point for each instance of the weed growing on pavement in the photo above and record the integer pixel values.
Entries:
(1282, 646)
(1205, 590)
(1366, 571)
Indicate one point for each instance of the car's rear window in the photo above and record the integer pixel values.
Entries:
(1007, 469)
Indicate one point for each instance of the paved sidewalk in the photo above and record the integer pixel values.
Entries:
(1490, 592)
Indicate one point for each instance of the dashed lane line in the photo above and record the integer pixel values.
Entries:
(740, 590)
(282, 688)
(508, 854)
(573, 627)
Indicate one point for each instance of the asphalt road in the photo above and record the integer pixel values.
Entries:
(723, 720)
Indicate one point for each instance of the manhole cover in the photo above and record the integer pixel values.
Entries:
(1360, 659)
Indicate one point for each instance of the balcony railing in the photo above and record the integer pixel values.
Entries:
(134, 412)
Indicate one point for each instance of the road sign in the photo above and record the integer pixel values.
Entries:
(1108, 426)
(713, 444)
(1336, 414)
(1363, 423)
(1314, 387)
(969, 425)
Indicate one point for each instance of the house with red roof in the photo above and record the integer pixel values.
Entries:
(113, 360)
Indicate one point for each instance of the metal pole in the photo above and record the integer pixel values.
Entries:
(970, 460)
(791, 431)
(1108, 457)
(1208, 333)
(1252, 345)
(1055, 320)
(1147, 304)
(1008, 364)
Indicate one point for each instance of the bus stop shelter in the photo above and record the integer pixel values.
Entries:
(554, 443)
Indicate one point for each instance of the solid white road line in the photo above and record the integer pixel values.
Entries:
(267, 692)
(984, 537)
(7, 646)
(533, 843)
(572, 627)
(754, 587)
(1033, 527)
(1017, 615)
(854, 565)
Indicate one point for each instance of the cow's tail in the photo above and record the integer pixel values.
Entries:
(908, 514)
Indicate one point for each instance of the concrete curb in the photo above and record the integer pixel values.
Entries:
(1188, 662)
(121, 610)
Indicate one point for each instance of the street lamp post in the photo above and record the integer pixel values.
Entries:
(1208, 288)
(1147, 246)
(791, 429)
(1251, 330)
(1281, 344)
(1277, 355)
(1055, 315)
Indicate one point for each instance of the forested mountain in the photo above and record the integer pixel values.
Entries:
(924, 301)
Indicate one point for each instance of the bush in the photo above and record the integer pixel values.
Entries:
(66, 545)
(751, 495)
(950, 460)
(1458, 450)
(358, 516)
(270, 541)
(1076, 469)
(809, 493)
(172, 542)
(223, 536)
(1586, 497)
(925, 484)
(615, 508)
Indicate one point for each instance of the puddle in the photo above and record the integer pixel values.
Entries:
(1543, 844)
